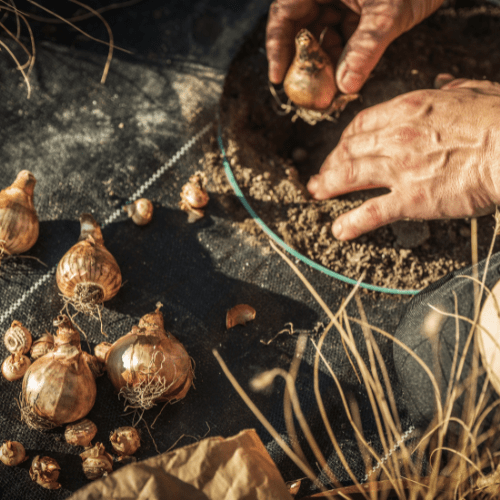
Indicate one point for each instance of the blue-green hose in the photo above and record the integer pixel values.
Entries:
(281, 243)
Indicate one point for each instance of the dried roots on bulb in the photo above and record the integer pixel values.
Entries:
(149, 364)
(45, 472)
(18, 218)
(310, 84)
(194, 197)
(18, 338)
(97, 462)
(12, 453)
(88, 274)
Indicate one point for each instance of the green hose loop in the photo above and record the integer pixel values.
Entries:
(281, 243)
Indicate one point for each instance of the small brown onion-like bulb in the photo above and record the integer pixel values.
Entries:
(101, 350)
(194, 197)
(12, 453)
(18, 218)
(88, 274)
(42, 346)
(18, 338)
(310, 80)
(45, 472)
(58, 388)
(14, 367)
(125, 440)
(149, 364)
(140, 211)
(96, 462)
(80, 433)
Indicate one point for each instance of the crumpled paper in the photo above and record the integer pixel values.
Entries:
(235, 468)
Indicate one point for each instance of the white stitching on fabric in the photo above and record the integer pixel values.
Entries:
(404, 437)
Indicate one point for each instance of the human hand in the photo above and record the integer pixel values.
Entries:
(380, 22)
(436, 150)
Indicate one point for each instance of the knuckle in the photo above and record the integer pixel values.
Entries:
(372, 214)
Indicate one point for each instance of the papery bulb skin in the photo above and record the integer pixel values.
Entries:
(194, 197)
(80, 433)
(45, 472)
(194, 192)
(66, 332)
(58, 388)
(18, 338)
(149, 364)
(12, 453)
(96, 367)
(42, 346)
(101, 351)
(310, 80)
(97, 462)
(125, 440)
(88, 274)
(18, 218)
(140, 211)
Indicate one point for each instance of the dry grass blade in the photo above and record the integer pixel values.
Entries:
(263, 420)
(25, 69)
(83, 17)
(110, 34)
(463, 459)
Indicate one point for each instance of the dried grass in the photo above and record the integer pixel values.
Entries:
(463, 463)
(23, 31)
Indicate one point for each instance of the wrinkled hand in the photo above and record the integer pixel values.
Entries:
(380, 22)
(438, 151)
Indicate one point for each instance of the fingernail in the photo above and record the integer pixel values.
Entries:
(337, 230)
(351, 82)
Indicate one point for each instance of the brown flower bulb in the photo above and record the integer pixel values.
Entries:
(140, 211)
(96, 462)
(18, 338)
(310, 80)
(18, 218)
(101, 351)
(58, 388)
(88, 274)
(80, 433)
(45, 472)
(194, 197)
(125, 440)
(14, 367)
(12, 453)
(149, 364)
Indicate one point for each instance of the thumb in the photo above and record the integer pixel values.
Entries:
(364, 49)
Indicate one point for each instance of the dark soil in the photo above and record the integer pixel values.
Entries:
(273, 157)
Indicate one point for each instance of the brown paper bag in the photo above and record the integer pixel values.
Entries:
(236, 468)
